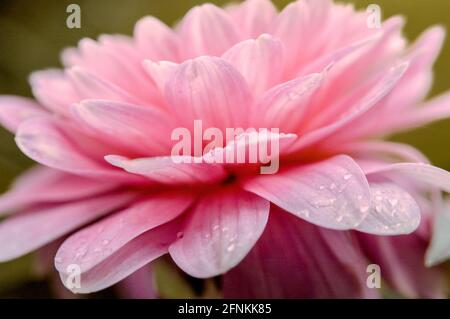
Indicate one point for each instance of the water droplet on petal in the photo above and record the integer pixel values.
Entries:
(231, 247)
(347, 176)
(105, 242)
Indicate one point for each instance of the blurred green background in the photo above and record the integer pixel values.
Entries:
(32, 34)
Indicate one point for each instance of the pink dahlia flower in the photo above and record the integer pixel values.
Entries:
(342, 199)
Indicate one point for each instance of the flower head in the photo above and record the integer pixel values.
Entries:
(102, 128)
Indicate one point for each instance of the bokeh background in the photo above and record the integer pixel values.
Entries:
(33, 33)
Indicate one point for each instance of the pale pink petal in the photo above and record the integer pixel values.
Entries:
(170, 169)
(20, 234)
(202, 27)
(434, 110)
(92, 245)
(14, 110)
(130, 258)
(420, 172)
(286, 104)
(295, 259)
(393, 211)
(333, 193)
(44, 185)
(160, 72)
(209, 89)
(146, 130)
(260, 61)
(253, 146)
(329, 133)
(51, 144)
(254, 17)
(156, 40)
(88, 86)
(401, 259)
(53, 89)
(219, 232)
(383, 149)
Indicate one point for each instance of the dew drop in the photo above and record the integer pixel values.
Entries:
(105, 242)
(347, 176)
(180, 234)
(231, 247)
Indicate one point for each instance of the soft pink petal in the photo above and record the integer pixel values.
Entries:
(420, 172)
(54, 90)
(439, 249)
(286, 104)
(260, 61)
(44, 185)
(295, 259)
(130, 258)
(88, 86)
(393, 211)
(146, 130)
(202, 28)
(383, 149)
(15, 110)
(24, 232)
(330, 133)
(52, 144)
(333, 193)
(156, 40)
(92, 245)
(254, 17)
(170, 169)
(219, 232)
(210, 89)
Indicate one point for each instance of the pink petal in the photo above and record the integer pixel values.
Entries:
(209, 89)
(92, 245)
(15, 110)
(286, 104)
(88, 86)
(53, 89)
(244, 148)
(54, 145)
(401, 260)
(254, 17)
(170, 169)
(382, 149)
(203, 26)
(150, 31)
(393, 211)
(145, 130)
(260, 61)
(130, 258)
(295, 259)
(160, 72)
(333, 193)
(219, 232)
(371, 98)
(20, 235)
(43, 185)
(420, 172)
